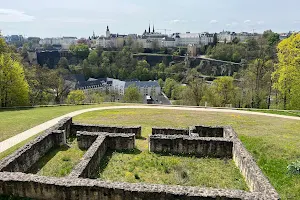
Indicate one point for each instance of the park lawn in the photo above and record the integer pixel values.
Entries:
(58, 162)
(15, 121)
(143, 166)
(274, 142)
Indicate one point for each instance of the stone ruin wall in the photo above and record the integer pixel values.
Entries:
(75, 186)
(89, 164)
(137, 130)
(198, 146)
(254, 177)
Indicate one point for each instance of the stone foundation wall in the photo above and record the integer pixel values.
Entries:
(116, 141)
(207, 131)
(33, 186)
(25, 157)
(198, 146)
(137, 130)
(169, 131)
(255, 178)
(89, 164)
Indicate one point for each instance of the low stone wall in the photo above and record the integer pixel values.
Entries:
(89, 164)
(116, 141)
(169, 131)
(137, 130)
(97, 145)
(255, 178)
(25, 157)
(33, 186)
(207, 131)
(198, 146)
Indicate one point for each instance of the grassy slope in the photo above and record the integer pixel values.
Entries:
(274, 142)
(14, 121)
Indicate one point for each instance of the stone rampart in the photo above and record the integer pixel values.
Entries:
(137, 130)
(169, 131)
(39, 187)
(198, 146)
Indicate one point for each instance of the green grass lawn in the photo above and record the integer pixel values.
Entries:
(14, 121)
(277, 112)
(58, 162)
(274, 142)
(148, 167)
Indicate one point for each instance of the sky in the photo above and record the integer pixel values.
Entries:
(57, 18)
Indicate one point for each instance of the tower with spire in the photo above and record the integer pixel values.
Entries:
(107, 32)
(149, 29)
(153, 29)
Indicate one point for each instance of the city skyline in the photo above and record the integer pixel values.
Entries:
(72, 18)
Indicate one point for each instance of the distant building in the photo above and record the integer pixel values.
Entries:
(64, 42)
(115, 85)
(192, 50)
(146, 88)
(283, 36)
(227, 37)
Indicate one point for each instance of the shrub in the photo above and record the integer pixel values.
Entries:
(76, 97)
(294, 168)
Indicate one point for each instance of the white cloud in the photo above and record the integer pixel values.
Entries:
(260, 22)
(10, 15)
(81, 20)
(247, 21)
(176, 21)
(213, 21)
(232, 24)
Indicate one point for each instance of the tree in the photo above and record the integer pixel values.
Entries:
(225, 88)
(76, 97)
(169, 86)
(63, 63)
(81, 51)
(14, 89)
(93, 58)
(287, 72)
(132, 95)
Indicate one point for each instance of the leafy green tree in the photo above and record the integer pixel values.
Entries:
(76, 97)
(132, 95)
(169, 86)
(63, 63)
(81, 51)
(225, 88)
(287, 72)
(93, 58)
(14, 89)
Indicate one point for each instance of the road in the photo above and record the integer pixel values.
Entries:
(6, 144)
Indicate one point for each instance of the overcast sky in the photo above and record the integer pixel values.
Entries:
(80, 17)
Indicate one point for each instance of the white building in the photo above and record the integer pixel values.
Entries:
(65, 42)
(197, 39)
(115, 85)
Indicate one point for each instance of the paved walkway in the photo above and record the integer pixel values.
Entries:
(6, 144)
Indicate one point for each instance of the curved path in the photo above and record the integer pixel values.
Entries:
(6, 144)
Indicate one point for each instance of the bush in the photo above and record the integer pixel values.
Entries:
(294, 168)
(76, 97)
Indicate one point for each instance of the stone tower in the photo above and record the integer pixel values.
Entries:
(107, 32)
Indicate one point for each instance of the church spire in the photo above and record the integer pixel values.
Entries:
(153, 29)
(107, 29)
(149, 28)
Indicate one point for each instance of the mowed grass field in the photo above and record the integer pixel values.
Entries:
(14, 121)
(274, 142)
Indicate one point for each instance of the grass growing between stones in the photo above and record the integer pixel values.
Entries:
(274, 142)
(58, 162)
(148, 167)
